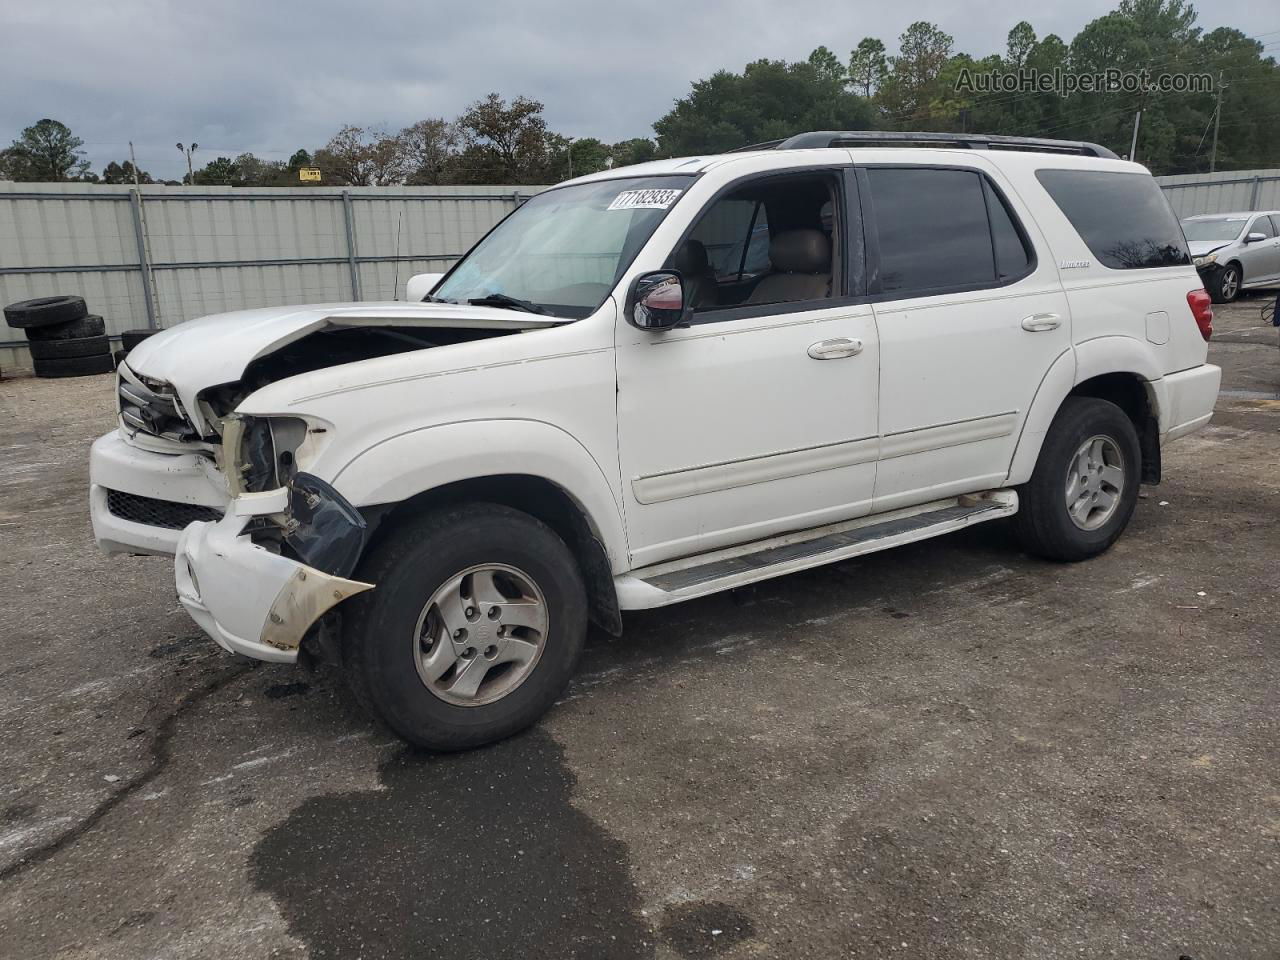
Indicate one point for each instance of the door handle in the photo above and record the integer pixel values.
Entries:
(835, 349)
(1040, 322)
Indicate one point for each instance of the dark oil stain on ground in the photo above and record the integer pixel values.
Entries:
(173, 648)
(473, 855)
(705, 928)
(278, 691)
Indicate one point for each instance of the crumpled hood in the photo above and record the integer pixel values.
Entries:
(1199, 248)
(216, 349)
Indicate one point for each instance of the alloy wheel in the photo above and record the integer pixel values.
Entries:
(1095, 482)
(480, 635)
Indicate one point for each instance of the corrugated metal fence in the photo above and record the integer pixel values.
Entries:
(156, 256)
(1222, 192)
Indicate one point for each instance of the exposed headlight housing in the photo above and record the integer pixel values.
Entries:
(258, 452)
(319, 528)
(1207, 260)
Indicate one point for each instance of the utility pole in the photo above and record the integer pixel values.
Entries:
(133, 162)
(569, 151)
(1217, 120)
(191, 176)
(1133, 147)
(149, 277)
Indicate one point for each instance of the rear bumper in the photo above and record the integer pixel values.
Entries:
(114, 464)
(1189, 397)
(250, 600)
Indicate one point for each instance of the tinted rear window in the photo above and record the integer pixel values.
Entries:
(942, 229)
(1122, 217)
(1012, 259)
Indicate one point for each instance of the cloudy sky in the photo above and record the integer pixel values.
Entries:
(268, 76)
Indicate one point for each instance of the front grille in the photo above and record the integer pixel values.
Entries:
(157, 513)
(150, 406)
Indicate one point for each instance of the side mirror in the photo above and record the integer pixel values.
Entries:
(657, 301)
(1254, 237)
(420, 285)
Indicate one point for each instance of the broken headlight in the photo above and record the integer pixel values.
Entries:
(258, 452)
(319, 527)
(323, 530)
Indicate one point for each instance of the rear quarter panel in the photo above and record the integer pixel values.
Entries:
(1147, 306)
(1122, 321)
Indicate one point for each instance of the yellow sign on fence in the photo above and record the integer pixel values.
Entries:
(309, 173)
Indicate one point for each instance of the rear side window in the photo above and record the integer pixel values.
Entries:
(1011, 252)
(1124, 218)
(943, 229)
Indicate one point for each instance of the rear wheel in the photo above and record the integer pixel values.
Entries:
(473, 629)
(1085, 484)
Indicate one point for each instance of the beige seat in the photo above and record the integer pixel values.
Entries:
(695, 268)
(801, 268)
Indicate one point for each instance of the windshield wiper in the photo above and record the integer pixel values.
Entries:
(502, 301)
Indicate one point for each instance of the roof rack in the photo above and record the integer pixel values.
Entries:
(763, 145)
(964, 141)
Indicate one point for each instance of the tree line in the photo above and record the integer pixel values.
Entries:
(919, 88)
(496, 141)
(493, 142)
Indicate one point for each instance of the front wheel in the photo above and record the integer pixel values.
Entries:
(473, 628)
(1225, 286)
(1085, 484)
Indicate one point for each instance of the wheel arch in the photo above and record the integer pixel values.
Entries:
(1117, 369)
(480, 461)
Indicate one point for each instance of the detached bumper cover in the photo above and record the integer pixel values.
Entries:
(249, 600)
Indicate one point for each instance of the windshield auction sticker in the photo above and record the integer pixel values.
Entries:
(644, 200)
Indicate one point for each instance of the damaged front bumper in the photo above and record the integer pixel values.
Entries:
(249, 599)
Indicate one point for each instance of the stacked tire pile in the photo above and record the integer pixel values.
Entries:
(65, 339)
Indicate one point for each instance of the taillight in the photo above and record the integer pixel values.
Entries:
(1202, 309)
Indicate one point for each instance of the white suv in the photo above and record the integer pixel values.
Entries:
(655, 383)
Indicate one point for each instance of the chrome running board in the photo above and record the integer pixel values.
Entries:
(671, 582)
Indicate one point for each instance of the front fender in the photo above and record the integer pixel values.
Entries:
(420, 460)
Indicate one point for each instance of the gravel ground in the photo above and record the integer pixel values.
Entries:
(947, 750)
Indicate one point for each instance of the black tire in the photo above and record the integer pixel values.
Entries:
(44, 311)
(1220, 291)
(131, 338)
(74, 366)
(118, 357)
(59, 349)
(407, 568)
(90, 325)
(1043, 523)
